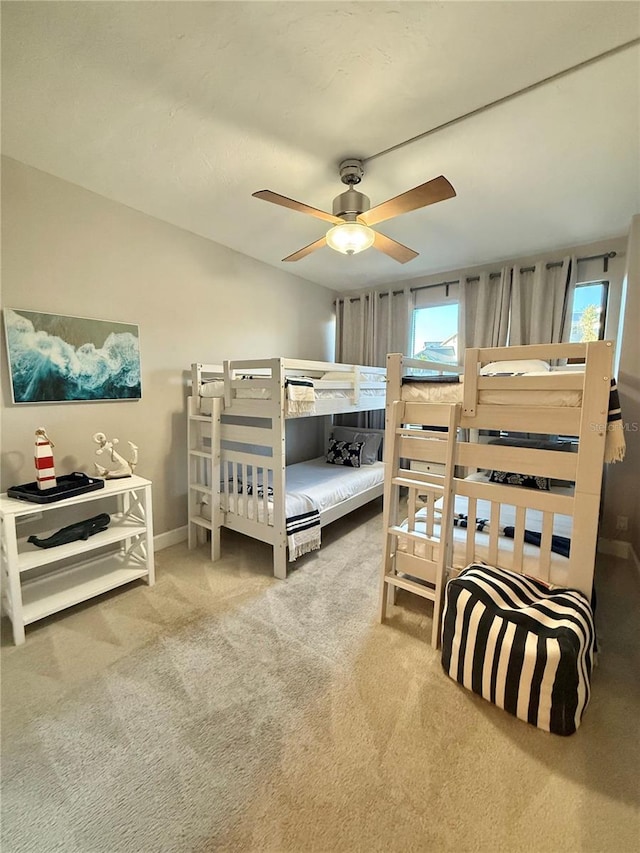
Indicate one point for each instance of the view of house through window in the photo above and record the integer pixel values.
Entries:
(435, 327)
(588, 312)
(435, 333)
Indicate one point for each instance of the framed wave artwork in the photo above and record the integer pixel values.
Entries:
(59, 359)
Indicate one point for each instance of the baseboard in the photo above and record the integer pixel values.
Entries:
(616, 548)
(171, 537)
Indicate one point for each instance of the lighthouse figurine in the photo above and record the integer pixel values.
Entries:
(45, 471)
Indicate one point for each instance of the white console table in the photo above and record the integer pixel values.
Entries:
(31, 592)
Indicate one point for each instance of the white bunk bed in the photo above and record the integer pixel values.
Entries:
(502, 520)
(249, 488)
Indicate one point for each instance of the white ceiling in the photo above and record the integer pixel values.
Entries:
(182, 110)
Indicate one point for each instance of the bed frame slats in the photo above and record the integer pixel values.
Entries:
(472, 511)
(526, 460)
(552, 421)
(516, 496)
(249, 445)
(518, 539)
(545, 382)
(587, 420)
(545, 546)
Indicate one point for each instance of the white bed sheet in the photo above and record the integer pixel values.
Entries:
(216, 389)
(316, 480)
(442, 392)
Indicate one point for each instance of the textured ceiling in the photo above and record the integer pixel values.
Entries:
(183, 109)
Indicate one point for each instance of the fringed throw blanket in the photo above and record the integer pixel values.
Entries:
(303, 529)
(303, 533)
(301, 397)
(615, 445)
(559, 544)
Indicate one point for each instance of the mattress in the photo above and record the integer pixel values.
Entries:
(437, 392)
(317, 481)
(216, 389)
(562, 526)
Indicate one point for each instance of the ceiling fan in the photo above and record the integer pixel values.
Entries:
(353, 215)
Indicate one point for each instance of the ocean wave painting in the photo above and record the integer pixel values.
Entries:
(58, 359)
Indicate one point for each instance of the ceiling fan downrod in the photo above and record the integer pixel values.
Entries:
(350, 204)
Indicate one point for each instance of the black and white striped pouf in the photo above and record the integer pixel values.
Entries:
(519, 644)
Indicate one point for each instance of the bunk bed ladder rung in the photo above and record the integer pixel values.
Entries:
(396, 530)
(411, 586)
(410, 483)
(405, 545)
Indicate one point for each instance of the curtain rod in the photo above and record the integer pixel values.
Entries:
(604, 255)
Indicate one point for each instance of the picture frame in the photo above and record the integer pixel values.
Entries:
(56, 358)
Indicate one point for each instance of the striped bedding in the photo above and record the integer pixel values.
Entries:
(520, 645)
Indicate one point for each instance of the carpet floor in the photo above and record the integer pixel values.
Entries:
(223, 710)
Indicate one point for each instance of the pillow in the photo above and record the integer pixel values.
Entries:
(371, 441)
(508, 479)
(531, 365)
(345, 453)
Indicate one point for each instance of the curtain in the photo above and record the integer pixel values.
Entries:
(484, 308)
(372, 324)
(368, 327)
(540, 301)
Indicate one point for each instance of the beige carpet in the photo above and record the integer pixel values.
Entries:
(223, 710)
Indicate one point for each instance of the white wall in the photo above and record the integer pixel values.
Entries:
(69, 251)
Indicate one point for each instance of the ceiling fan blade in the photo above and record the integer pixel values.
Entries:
(395, 250)
(283, 201)
(302, 253)
(438, 189)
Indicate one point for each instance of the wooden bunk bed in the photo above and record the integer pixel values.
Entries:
(496, 522)
(239, 412)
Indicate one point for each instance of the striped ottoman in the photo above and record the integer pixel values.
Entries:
(519, 644)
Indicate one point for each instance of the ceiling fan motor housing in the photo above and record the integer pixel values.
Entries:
(350, 204)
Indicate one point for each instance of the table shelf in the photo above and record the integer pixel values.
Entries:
(51, 593)
(72, 579)
(30, 556)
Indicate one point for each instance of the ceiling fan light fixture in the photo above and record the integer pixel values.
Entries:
(350, 238)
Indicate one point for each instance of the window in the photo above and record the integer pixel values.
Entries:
(589, 311)
(435, 333)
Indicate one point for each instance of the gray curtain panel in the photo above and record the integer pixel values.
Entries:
(372, 324)
(484, 307)
(368, 326)
(540, 303)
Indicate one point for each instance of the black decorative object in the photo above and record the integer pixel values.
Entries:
(69, 486)
(71, 533)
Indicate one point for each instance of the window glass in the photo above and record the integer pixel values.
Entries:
(435, 333)
(589, 312)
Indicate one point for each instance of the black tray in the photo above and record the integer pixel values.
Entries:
(69, 486)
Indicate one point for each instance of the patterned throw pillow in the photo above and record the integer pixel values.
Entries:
(345, 453)
(371, 441)
(508, 479)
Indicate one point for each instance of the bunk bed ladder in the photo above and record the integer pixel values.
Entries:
(421, 575)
